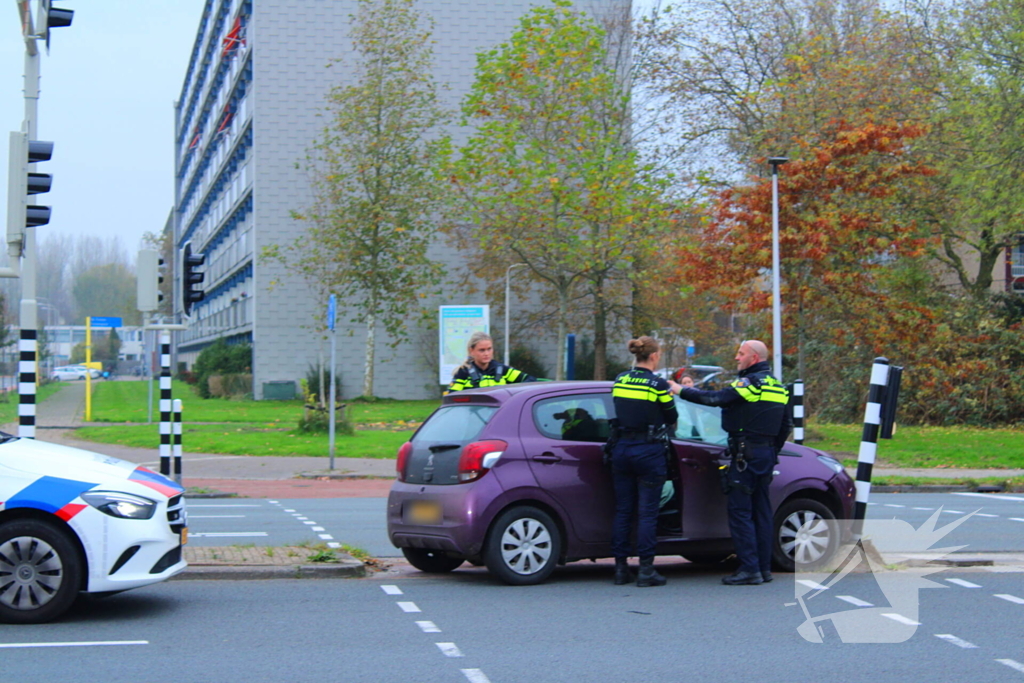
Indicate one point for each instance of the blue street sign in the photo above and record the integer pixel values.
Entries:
(105, 322)
(332, 307)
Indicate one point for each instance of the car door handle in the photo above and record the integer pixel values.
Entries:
(547, 458)
(689, 461)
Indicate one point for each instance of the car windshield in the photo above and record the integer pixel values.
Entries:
(700, 423)
(457, 423)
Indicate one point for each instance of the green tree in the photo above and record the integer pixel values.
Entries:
(373, 180)
(107, 290)
(550, 176)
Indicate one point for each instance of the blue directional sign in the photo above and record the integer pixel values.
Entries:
(332, 309)
(106, 321)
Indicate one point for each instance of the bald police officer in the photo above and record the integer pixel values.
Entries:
(755, 414)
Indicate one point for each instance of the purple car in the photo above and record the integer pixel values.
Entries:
(513, 477)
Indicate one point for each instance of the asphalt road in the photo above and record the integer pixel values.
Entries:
(465, 627)
(996, 526)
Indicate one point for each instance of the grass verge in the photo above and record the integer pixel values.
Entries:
(9, 404)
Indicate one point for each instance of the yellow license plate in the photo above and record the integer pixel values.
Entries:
(184, 536)
(423, 512)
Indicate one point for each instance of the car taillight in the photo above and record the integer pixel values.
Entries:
(403, 459)
(478, 457)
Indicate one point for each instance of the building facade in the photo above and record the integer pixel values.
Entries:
(247, 112)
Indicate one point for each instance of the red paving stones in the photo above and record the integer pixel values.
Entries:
(296, 488)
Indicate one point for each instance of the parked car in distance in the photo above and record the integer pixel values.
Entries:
(512, 477)
(73, 372)
(73, 521)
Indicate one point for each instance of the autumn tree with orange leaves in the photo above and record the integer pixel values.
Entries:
(838, 236)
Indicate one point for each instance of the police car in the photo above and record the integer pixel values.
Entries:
(74, 521)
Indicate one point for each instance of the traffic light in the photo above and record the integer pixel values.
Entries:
(150, 277)
(21, 183)
(191, 279)
(52, 17)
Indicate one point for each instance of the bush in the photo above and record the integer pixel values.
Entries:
(525, 359)
(234, 384)
(220, 358)
(313, 382)
(584, 365)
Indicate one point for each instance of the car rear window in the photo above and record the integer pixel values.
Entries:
(461, 423)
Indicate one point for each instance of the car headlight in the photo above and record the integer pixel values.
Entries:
(832, 463)
(123, 505)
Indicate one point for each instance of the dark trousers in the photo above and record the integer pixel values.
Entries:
(638, 473)
(750, 510)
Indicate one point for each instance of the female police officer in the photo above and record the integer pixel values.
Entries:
(645, 411)
(481, 370)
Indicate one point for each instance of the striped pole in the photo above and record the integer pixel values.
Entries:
(165, 403)
(176, 444)
(27, 384)
(798, 411)
(869, 441)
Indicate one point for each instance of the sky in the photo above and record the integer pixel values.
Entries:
(107, 92)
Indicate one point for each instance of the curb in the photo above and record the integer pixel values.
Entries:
(337, 475)
(925, 488)
(346, 569)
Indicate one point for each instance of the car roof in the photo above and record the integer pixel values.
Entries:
(503, 392)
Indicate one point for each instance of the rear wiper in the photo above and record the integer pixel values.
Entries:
(437, 448)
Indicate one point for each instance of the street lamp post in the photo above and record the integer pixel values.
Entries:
(776, 287)
(508, 272)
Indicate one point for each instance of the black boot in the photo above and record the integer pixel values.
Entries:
(648, 575)
(622, 573)
(742, 578)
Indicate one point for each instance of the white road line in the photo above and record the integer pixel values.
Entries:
(274, 502)
(1010, 598)
(326, 537)
(902, 619)
(854, 601)
(216, 516)
(409, 607)
(1013, 664)
(229, 534)
(226, 505)
(286, 510)
(333, 544)
(391, 590)
(449, 649)
(1017, 519)
(965, 584)
(428, 627)
(317, 528)
(310, 523)
(299, 517)
(475, 676)
(79, 644)
(994, 496)
(812, 584)
(984, 514)
(955, 512)
(893, 505)
(922, 508)
(956, 641)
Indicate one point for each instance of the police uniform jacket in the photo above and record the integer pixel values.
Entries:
(472, 377)
(754, 405)
(642, 400)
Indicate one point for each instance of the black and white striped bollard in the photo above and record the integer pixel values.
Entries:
(869, 441)
(165, 403)
(27, 384)
(798, 411)
(176, 444)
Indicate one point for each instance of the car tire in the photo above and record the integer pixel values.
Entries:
(523, 546)
(431, 561)
(40, 572)
(806, 535)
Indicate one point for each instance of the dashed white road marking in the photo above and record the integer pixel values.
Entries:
(994, 496)
(230, 534)
(965, 584)
(333, 544)
(391, 590)
(317, 528)
(855, 601)
(287, 510)
(224, 505)
(1017, 519)
(475, 676)
(984, 514)
(86, 643)
(309, 523)
(902, 619)
(449, 649)
(1011, 598)
(409, 607)
(428, 627)
(1012, 663)
(922, 508)
(274, 502)
(216, 516)
(894, 505)
(954, 512)
(959, 642)
(812, 584)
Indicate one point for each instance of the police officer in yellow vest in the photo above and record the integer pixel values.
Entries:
(755, 414)
(481, 370)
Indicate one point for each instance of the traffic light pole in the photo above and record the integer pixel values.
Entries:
(28, 319)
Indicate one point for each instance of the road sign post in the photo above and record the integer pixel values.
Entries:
(332, 309)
